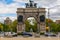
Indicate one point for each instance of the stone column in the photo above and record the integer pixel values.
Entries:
(38, 31)
(23, 28)
(38, 28)
(20, 27)
(42, 27)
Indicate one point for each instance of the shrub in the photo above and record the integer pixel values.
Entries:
(42, 33)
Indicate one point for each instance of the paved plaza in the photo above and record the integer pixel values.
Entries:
(30, 38)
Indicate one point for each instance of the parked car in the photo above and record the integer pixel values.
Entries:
(26, 34)
(1, 34)
(14, 34)
(10, 34)
(50, 34)
(7, 34)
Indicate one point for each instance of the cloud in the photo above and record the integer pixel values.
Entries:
(8, 14)
(2, 18)
(6, 10)
(54, 13)
(21, 1)
(10, 6)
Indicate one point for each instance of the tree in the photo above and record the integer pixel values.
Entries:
(1, 27)
(5, 28)
(48, 21)
(27, 27)
(14, 26)
(30, 26)
(34, 26)
(52, 25)
(58, 27)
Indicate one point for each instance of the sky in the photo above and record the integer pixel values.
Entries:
(8, 8)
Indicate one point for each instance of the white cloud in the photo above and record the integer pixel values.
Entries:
(11, 8)
(21, 0)
(53, 11)
(58, 2)
(7, 10)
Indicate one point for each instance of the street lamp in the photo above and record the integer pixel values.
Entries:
(48, 20)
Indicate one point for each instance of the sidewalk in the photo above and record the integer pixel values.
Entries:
(31, 38)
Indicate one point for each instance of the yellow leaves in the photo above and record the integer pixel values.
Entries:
(1, 27)
(47, 28)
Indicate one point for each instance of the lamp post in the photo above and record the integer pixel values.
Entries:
(48, 20)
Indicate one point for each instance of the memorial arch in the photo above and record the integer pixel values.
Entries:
(31, 10)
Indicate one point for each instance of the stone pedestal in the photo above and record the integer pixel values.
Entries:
(20, 27)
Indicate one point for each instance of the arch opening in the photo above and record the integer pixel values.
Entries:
(31, 24)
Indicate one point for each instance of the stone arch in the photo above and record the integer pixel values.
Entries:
(31, 12)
